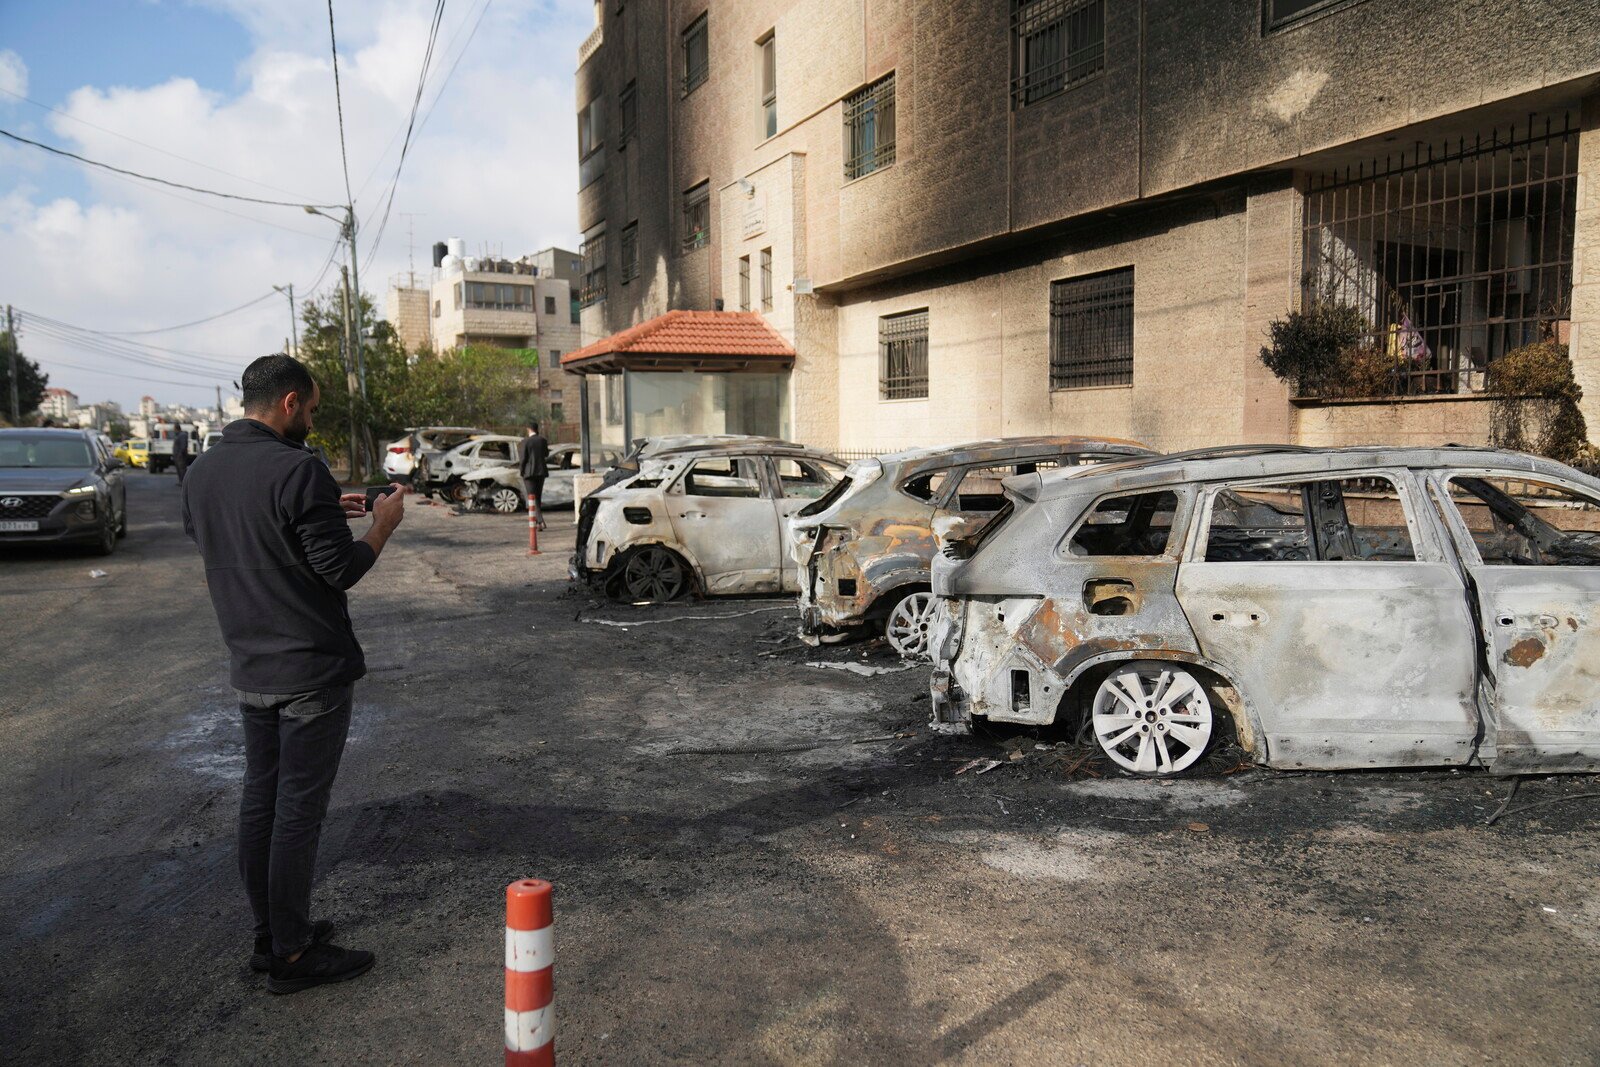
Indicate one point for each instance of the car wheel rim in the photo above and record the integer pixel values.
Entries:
(459, 493)
(1152, 718)
(506, 501)
(910, 624)
(654, 575)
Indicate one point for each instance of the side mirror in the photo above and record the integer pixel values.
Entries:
(114, 464)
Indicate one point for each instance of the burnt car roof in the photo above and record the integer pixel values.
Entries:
(1268, 461)
(1003, 448)
(762, 445)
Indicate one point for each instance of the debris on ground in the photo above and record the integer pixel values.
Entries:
(866, 670)
(98, 573)
(984, 766)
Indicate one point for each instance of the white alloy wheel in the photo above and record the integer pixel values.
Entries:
(1152, 718)
(506, 500)
(910, 625)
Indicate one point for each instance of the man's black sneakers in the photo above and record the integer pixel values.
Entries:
(261, 959)
(318, 965)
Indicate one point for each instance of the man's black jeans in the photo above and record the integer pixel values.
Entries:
(292, 746)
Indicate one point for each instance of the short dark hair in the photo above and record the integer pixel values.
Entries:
(534, 426)
(271, 378)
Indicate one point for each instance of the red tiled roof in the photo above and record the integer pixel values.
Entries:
(726, 334)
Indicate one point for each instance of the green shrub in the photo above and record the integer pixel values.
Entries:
(1536, 403)
(1308, 347)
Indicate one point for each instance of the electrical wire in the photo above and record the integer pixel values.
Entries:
(144, 144)
(195, 355)
(196, 322)
(162, 181)
(89, 346)
(48, 362)
(338, 102)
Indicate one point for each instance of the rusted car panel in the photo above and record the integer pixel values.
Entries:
(703, 516)
(1347, 608)
(860, 552)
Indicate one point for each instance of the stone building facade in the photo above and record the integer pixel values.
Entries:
(973, 218)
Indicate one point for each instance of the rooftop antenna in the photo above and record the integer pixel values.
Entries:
(411, 244)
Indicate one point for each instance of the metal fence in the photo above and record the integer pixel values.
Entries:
(1454, 254)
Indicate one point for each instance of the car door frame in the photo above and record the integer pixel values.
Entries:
(1518, 646)
(1233, 608)
(760, 577)
(786, 507)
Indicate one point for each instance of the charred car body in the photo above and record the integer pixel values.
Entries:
(1349, 608)
(704, 515)
(864, 551)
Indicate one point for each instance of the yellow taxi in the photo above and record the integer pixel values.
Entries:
(133, 453)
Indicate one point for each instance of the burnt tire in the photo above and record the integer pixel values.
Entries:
(458, 492)
(652, 574)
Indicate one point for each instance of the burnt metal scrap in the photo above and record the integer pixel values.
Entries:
(1332, 609)
(863, 553)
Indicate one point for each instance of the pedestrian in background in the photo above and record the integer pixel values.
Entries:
(279, 554)
(535, 467)
(180, 451)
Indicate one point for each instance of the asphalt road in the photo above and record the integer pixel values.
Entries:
(746, 871)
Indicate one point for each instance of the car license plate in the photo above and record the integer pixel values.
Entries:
(31, 526)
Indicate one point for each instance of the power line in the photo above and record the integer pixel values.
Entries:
(187, 353)
(338, 102)
(144, 144)
(196, 322)
(119, 374)
(89, 340)
(160, 181)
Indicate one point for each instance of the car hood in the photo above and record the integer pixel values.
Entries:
(41, 479)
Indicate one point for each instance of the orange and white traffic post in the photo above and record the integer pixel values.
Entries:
(530, 994)
(533, 526)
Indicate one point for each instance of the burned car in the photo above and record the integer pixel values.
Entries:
(704, 516)
(863, 552)
(1333, 609)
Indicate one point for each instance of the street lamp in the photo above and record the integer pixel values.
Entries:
(294, 328)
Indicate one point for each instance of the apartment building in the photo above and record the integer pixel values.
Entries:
(58, 404)
(965, 219)
(527, 304)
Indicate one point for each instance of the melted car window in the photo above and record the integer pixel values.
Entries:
(1520, 523)
(802, 479)
(721, 477)
(1331, 520)
(1135, 525)
(494, 450)
(925, 486)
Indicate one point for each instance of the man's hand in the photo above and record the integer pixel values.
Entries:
(354, 504)
(389, 510)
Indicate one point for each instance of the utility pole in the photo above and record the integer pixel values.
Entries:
(355, 305)
(219, 405)
(11, 335)
(294, 328)
(349, 370)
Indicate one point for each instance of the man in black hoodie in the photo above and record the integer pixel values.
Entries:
(275, 535)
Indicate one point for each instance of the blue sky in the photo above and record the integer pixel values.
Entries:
(237, 95)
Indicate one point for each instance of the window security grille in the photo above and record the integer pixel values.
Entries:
(1454, 254)
(766, 279)
(903, 356)
(1055, 44)
(630, 252)
(628, 105)
(594, 268)
(1091, 330)
(869, 128)
(697, 217)
(744, 283)
(696, 57)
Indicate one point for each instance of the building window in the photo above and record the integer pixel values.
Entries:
(869, 128)
(903, 356)
(1280, 13)
(744, 283)
(696, 59)
(1091, 330)
(1055, 44)
(458, 295)
(1452, 255)
(576, 305)
(613, 399)
(438, 309)
(549, 305)
(594, 266)
(628, 106)
(630, 252)
(766, 279)
(769, 85)
(591, 133)
(492, 296)
(697, 217)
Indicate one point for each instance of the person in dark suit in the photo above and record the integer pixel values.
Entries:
(535, 467)
(180, 452)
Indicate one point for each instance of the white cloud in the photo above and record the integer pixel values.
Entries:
(495, 165)
(13, 73)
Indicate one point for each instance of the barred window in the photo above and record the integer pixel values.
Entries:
(697, 217)
(628, 105)
(630, 252)
(594, 266)
(1055, 44)
(766, 279)
(1091, 330)
(903, 356)
(744, 283)
(869, 128)
(696, 58)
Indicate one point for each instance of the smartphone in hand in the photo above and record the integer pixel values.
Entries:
(376, 491)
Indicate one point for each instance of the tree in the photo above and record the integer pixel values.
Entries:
(30, 379)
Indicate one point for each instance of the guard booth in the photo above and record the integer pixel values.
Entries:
(685, 372)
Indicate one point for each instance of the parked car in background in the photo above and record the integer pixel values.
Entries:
(864, 551)
(415, 454)
(161, 438)
(210, 439)
(643, 448)
(705, 516)
(499, 488)
(62, 487)
(477, 453)
(1345, 608)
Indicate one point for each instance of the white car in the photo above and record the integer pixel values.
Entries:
(705, 518)
(412, 455)
(485, 450)
(500, 488)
